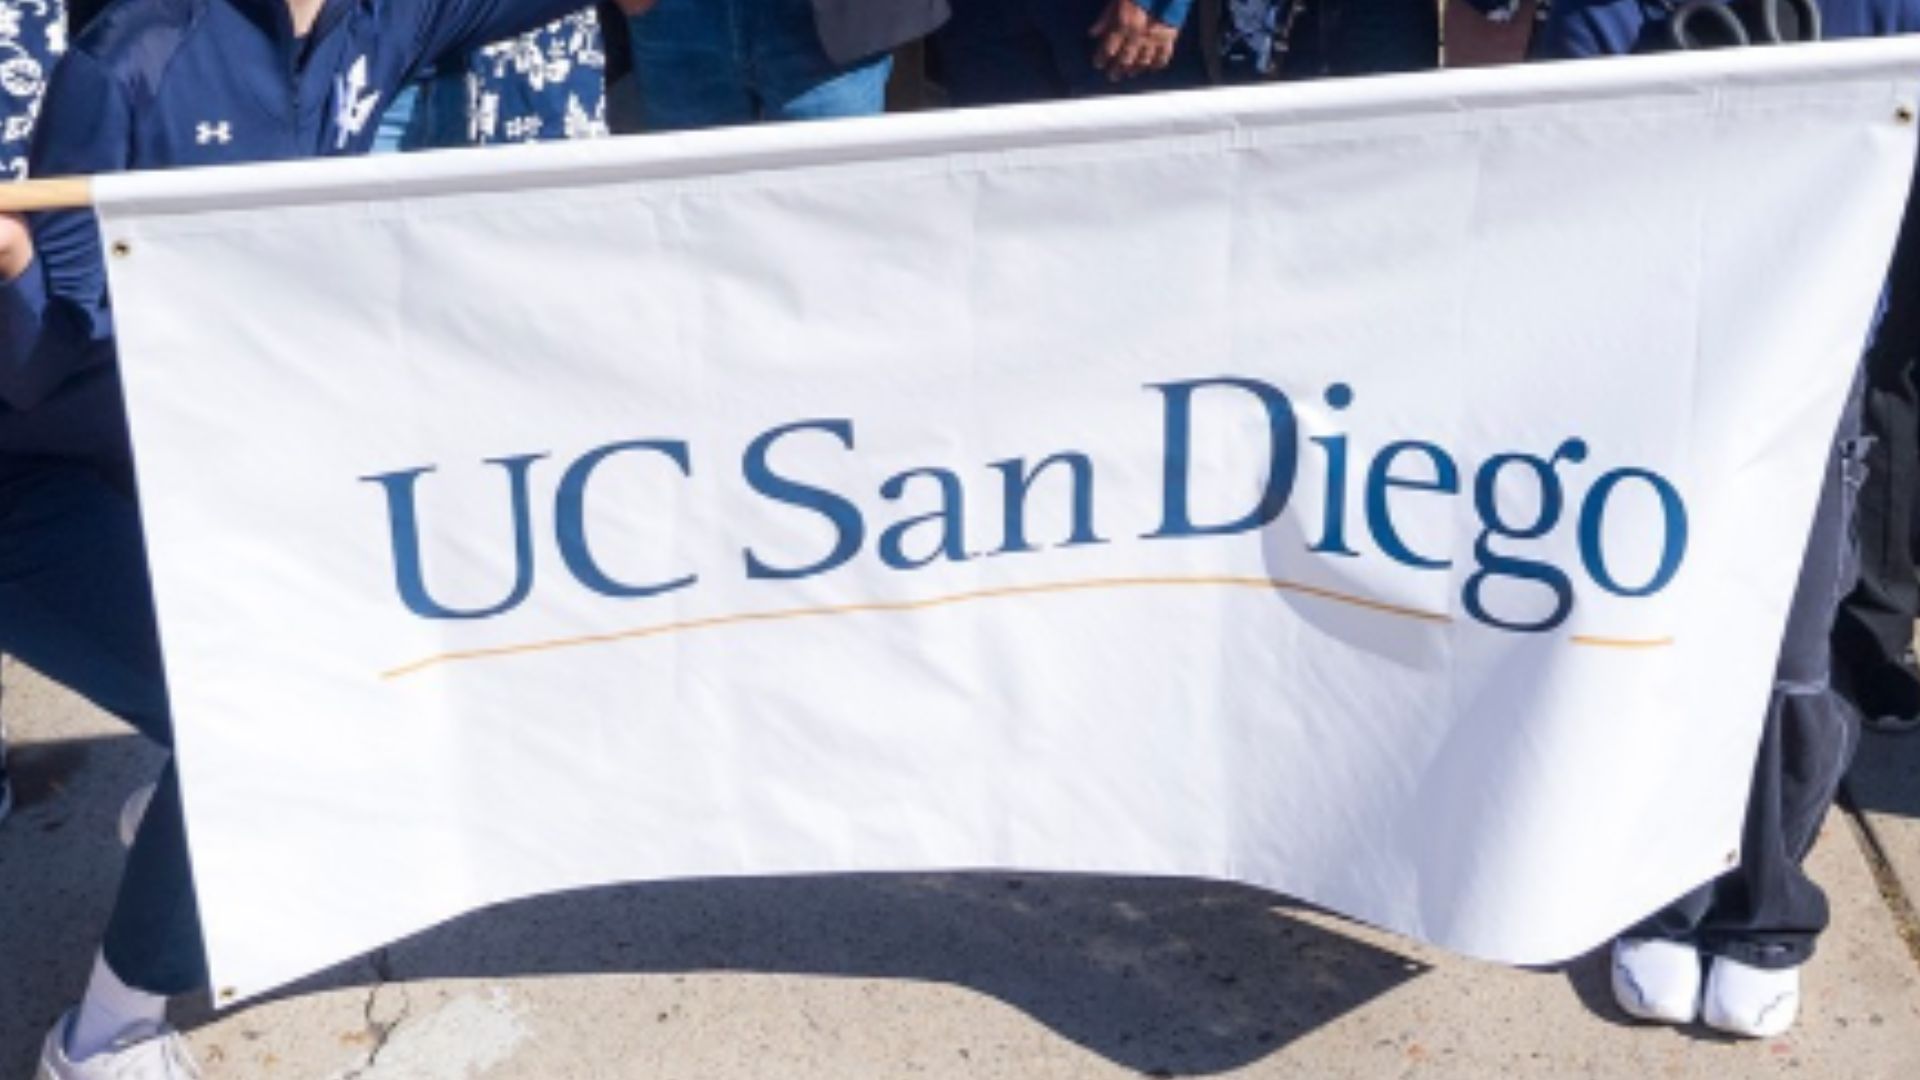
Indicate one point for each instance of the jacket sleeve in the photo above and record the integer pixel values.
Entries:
(450, 28)
(1171, 12)
(1581, 28)
(55, 319)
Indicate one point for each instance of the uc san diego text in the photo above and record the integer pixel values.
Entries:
(1354, 517)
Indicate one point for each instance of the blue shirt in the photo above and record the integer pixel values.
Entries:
(159, 84)
(1171, 12)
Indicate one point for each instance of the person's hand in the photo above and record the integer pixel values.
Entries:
(16, 246)
(1129, 42)
(636, 7)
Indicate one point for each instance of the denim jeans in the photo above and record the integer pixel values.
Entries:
(436, 113)
(709, 63)
(427, 114)
(440, 119)
(76, 606)
(1768, 913)
(998, 52)
(391, 135)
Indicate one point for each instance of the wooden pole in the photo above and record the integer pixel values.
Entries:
(53, 193)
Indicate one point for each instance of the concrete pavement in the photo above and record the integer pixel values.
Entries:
(979, 976)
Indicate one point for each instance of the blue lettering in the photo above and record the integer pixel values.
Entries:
(1333, 535)
(1494, 565)
(845, 517)
(1381, 479)
(950, 517)
(1017, 481)
(1177, 519)
(404, 525)
(1673, 548)
(570, 519)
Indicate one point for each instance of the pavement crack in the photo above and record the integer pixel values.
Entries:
(380, 1027)
(1906, 918)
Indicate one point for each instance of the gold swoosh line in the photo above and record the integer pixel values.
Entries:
(1623, 643)
(885, 606)
(895, 606)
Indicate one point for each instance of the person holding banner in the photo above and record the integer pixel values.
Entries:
(156, 85)
(1754, 928)
(30, 41)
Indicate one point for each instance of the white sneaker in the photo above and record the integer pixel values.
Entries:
(153, 1052)
(133, 812)
(1657, 980)
(1753, 1002)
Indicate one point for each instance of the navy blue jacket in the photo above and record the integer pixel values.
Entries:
(1577, 28)
(160, 84)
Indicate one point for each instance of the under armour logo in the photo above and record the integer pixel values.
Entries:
(207, 134)
(353, 103)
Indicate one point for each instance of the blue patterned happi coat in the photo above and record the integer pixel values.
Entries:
(547, 84)
(33, 34)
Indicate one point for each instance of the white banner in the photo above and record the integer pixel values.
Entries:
(1388, 492)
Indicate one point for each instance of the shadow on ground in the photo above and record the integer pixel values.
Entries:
(1160, 976)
